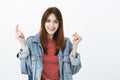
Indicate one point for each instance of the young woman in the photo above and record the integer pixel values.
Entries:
(49, 55)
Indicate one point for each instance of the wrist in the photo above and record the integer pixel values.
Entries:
(74, 50)
(22, 42)
(23, 46)
(75, 45)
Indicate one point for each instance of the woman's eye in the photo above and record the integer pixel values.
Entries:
(47, 20)
(56, 21)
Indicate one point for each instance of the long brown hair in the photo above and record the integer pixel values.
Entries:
(59, 34)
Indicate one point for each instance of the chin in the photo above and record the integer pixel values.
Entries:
(50, 33)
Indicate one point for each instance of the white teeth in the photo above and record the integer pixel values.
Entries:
(51, 29)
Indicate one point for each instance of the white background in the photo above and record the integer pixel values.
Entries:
(96, 21)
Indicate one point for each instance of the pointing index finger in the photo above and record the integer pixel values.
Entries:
(17, 28)
(74, 34)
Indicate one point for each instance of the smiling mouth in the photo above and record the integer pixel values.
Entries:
(51, 29)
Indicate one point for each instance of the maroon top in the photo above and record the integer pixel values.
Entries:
(50, 63)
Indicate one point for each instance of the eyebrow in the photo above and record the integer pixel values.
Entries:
(50, 19)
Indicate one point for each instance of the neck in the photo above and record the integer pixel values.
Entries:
(50, 36)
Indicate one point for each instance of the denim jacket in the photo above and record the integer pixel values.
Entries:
(31, 59)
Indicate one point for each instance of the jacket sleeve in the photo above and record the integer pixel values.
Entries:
(25, 59)
(75, 62)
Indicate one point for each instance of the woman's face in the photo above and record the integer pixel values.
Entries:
(51, 24)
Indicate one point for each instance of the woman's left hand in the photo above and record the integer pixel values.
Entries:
(76, 39)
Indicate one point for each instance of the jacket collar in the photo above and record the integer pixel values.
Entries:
(36, 38)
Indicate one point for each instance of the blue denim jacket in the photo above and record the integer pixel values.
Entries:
(31, 59)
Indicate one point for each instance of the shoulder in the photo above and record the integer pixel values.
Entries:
(67, 41)
(29, 38)
(35, 38)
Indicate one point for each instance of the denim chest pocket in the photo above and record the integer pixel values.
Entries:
(36, 61)
(66, 64)
(39, 62)
(36, 55)
(66, 59)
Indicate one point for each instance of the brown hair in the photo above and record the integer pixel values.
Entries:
(59, 34)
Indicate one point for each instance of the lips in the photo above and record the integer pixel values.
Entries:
(51, 29)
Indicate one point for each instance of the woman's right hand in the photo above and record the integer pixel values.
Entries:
(20, 36)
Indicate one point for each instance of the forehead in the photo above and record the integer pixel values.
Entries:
(52, 16)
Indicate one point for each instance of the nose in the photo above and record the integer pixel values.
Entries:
(52, 24)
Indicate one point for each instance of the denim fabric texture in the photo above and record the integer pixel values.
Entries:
(31, 59)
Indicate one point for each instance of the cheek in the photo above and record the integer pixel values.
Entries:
(57, 25)
(46, 24)
(45, 27)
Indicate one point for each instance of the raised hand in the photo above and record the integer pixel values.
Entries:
(76, 39)
(20, 36)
